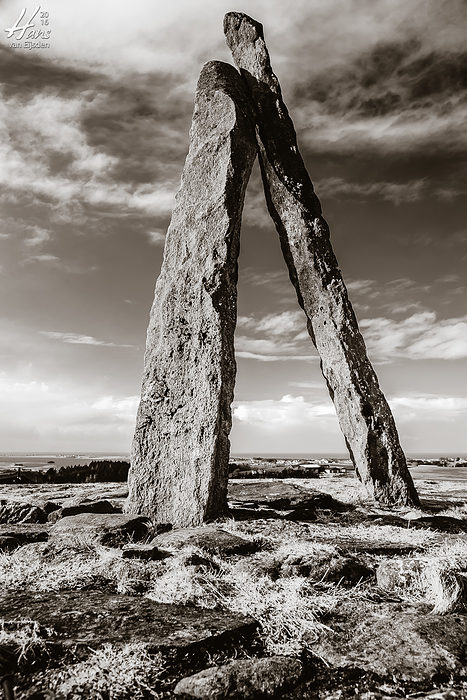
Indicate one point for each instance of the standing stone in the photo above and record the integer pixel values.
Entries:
(179, 464)
(364, 415)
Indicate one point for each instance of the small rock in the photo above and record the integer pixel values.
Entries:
(211, 538)
(18, 512)
(397, 574)
(83, 507)
(110, 529)
(250, 678)
(8, 543)
(345, 570)
(144, 551)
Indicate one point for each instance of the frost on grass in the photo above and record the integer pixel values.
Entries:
(111, 673)
(287, 610)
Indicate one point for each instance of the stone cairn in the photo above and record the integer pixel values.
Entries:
(180, 453)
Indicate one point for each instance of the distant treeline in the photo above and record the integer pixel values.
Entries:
(236, 472)
(96, 471)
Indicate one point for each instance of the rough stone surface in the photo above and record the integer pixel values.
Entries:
(19, 512)
(250, 678)
(84, 507)
(96, 618)
(109, 529)
(179, 465)
(211, 538)
(364, 415)
(392, 642)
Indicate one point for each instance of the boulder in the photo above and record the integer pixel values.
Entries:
(80, 619)
(249, 678)
(212, 538)
(19, 512)
(110, 529)
(363, 412)
(393, 642)
(180, 453)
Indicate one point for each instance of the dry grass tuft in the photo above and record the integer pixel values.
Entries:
(111, 673)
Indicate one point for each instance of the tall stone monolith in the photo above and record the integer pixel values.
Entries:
(180, 452)
(362, 410)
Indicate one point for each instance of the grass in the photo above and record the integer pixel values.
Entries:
(111, 673)
(291, 610)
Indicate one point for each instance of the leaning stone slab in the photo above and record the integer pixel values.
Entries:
(89, 619)
(109, 529)
(179, 465)
(364, 415)
(248, 678)
(211, 538)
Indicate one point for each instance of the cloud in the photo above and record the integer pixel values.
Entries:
(77, 339)
(283, 413)
(60, 416)
(156, 237)
(282, 336)
(421, 336)
(395, 192)
(37, 236)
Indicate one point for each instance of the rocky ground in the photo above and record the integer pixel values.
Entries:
(306, 591)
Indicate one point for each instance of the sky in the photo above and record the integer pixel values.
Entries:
(93, 136)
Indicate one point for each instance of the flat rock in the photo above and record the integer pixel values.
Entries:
(110, 529)
(441, 523)
(211, 538)
(100, 506)
(387, 549)
(19, 512)
(23, 533)
(385, 639)
(249, 678)
(281, 495)
(91, 618)
(144, 551)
